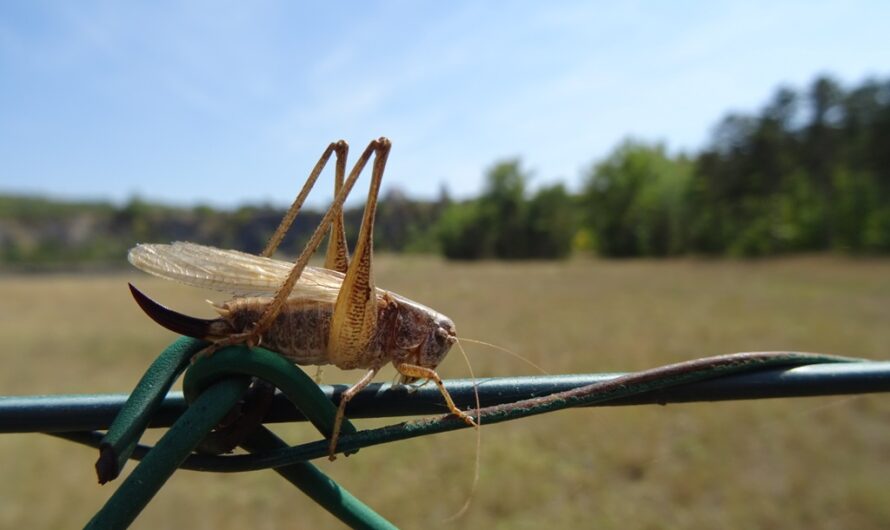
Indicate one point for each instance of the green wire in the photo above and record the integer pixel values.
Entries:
(293, 382)
(165, 457)
(213, 385)
(146, 398)
(628, 385)
(318, 486)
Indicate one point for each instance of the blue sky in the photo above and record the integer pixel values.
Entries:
(225, 103)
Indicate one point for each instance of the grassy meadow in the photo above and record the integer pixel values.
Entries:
(793, 463)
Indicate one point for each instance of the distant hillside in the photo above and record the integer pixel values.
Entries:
(40, 232)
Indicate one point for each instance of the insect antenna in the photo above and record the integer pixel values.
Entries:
(463, 509)
(508, 352)
(478, 463)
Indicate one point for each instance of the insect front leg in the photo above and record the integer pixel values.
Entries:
(412, 370)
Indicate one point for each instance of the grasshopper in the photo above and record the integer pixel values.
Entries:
(310, 315)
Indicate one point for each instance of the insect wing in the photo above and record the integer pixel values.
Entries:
(231, 271)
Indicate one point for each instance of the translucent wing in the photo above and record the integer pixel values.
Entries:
(231, 271)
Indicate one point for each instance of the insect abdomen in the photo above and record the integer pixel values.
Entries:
(299, 332)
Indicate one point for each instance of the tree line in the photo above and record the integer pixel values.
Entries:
(809, 171)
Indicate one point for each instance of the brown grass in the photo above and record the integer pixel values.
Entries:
(795, 463)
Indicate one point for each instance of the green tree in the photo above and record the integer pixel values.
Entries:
(552, 223)
(635, 201)
(503, 210)
(492, 226)
(502, 223)
(810, 172)
(461, 233)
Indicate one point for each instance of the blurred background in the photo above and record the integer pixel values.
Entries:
(596, 187)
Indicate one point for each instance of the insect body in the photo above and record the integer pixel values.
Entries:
(407, 332)
(331, 315)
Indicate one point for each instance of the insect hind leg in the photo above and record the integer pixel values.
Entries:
(378, 148)
(354, 322)
(337, 255)
(341, 149)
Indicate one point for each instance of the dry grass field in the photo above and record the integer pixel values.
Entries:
(795, 463)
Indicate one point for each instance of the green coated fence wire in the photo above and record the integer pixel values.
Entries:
(137, 412)
(216, 386)
(608, 390)
(159, 464)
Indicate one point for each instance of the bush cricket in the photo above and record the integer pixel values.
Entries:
(311, 316)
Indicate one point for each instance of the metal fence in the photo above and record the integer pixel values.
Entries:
(243, 380)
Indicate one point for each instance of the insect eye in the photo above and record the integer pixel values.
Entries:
(444, 337)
